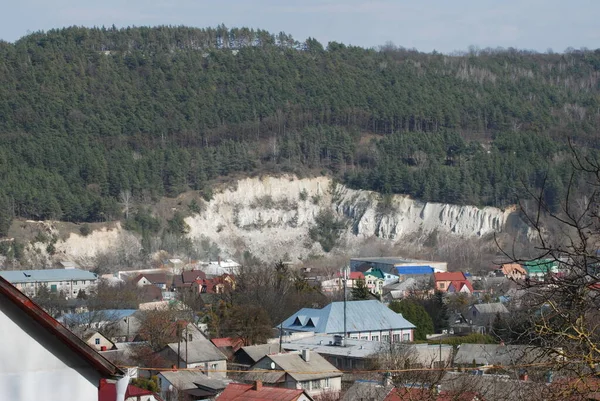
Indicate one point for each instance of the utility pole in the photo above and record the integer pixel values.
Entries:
(345, 279)
(280, 337)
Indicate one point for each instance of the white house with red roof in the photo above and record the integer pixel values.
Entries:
(452, 282)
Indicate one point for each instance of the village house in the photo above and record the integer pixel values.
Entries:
(196, 352)
(189, 385)
(67, 281)
(43, 359)
(512, 271)
(365, 320)
(453, 282)
(297, 370)
(157, 279)
(251, 354)
(97, 341)
(256, 391)
(186, 278)
(337, 283)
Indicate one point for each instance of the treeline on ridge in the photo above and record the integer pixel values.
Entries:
(86, 114)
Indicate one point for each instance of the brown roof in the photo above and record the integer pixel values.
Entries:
(241, 392)
(192, 275)
(154, 278)
(55, 329)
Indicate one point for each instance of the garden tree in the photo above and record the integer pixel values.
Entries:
(162, 326)
(279, 292)
(54, 303)
(248, 322)
(416, 314)
(360, 290)
(436, 308)
(107, 296)
(559, 312)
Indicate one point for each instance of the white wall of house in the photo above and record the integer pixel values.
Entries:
(69, 287)
(384, 335)
(211, 369)
(30, 371)
(317, 387)
(97, 341)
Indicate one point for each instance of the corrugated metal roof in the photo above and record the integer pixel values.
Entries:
(414, 269)
(256, 352)
(361, 316)
(32, 276)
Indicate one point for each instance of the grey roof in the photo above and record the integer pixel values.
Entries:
(496, 307)
(492, 387)
(323, 344)
(46, 275)
(294, 365)
(367, 390)
(256, 352)
(496, 354)
(390, 260)
(361, 316)
(187, 379)
(198, 350)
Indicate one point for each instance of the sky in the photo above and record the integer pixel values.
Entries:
(427, 25)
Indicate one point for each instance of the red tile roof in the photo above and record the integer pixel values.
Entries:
(458, 285)
(55, 329)
(241, 392)
(357, 275)
(108, 392)
(449, 276)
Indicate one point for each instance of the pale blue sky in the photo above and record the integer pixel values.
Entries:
(443, 25)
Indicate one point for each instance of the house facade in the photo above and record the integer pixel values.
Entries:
(291, 370)
(452, 282)
(196, 352)
(67, 281)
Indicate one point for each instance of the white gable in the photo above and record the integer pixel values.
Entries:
(30, 371)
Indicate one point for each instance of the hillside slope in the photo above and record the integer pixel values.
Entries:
(91, 117)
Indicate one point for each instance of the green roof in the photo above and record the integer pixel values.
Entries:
(540, 266)
(375, 273)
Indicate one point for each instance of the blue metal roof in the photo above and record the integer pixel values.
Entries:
(360, 315)
(33, 276)
(414, 269)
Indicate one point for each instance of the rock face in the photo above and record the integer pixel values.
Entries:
(271, 217)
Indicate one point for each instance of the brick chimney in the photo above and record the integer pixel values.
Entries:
(257, 385)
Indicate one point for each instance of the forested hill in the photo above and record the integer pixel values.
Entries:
(88, 114)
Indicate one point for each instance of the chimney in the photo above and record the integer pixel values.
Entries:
(387, 379)
(306, 355)
(257, 385)
(219, 260)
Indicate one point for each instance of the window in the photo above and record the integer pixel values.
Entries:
(214, 366)
(385, 338)
(374, 338)
(326, 383)
(406, 337)
(189, 337)
(97, 341)
(75, 282)
(442, 285)
(396, 338)
(364, 337)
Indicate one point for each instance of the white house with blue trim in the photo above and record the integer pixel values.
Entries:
(365, 320)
